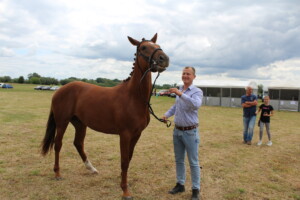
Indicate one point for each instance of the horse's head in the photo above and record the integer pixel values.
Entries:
(151, 53)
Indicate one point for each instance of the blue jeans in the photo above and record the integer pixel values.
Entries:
(187, 141)
(249, 123)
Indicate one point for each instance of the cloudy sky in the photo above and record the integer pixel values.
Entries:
(249, 40)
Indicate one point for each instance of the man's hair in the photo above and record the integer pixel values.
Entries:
(246, 88)
(188, 67)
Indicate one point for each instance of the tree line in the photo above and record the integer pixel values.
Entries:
(35, 78)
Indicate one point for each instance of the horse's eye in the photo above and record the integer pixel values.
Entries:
(143, 48)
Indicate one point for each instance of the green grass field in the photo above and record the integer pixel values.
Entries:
(231, 169)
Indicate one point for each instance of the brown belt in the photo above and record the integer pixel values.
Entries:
(186, 128)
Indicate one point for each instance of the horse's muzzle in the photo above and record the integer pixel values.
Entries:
(161, 63)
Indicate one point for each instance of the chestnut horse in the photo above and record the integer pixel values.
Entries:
(122, 109)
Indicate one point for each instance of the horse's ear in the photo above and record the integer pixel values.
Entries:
(133, 41)
(154, 38)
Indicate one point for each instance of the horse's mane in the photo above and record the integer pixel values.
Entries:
(130, 75)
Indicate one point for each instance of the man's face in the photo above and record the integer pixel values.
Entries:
(249, 91)
(188, 76)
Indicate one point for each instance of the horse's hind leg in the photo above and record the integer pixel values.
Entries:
(57, 147)
(80, 133)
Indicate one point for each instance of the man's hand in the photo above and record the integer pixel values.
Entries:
(176, 91)
(165, 119)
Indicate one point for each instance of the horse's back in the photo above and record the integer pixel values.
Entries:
(75, 90)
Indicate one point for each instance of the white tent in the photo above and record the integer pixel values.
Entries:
(285, 97)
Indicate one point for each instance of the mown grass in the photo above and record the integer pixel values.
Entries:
(230, 169)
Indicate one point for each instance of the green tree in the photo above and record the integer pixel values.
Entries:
(68, 80)
(33, 75)
(35, 80)
(166, 86)
(260, 90)
(21, 79)
(84, 80)
(5, 79)
(100, 80)
(48, 81)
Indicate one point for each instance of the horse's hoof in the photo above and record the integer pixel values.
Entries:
(127, 198)
(58, 178)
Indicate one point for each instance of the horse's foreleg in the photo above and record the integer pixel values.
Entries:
(133, 142)
(124, 147)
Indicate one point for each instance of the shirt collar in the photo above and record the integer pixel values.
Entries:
(189, 88)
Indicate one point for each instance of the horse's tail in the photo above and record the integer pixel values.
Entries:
(48, 141)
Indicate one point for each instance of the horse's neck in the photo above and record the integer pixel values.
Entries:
(139, 87)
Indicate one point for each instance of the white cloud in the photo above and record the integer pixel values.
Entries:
(88, 39)
(285, 73)
(6, 52)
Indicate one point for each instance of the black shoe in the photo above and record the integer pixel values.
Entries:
(177, 188)
(195, 195)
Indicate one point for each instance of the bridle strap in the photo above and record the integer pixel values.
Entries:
(146, 58)
(150, 59)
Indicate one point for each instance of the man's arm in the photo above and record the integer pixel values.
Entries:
(249, 104)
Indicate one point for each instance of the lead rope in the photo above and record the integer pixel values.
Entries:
(167, 122)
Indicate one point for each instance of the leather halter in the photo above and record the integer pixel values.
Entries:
(148, 59)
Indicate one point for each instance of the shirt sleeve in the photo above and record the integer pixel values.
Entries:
(171, 111)
(193, 101)
(243, 99)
